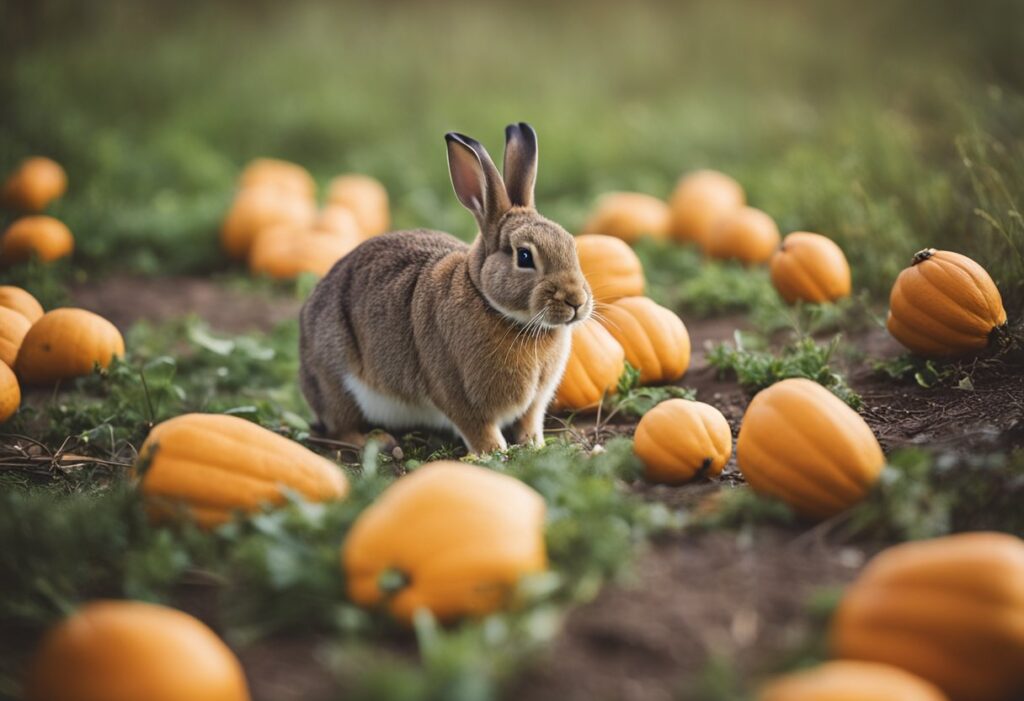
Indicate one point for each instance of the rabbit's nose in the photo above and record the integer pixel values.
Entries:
(575, 308)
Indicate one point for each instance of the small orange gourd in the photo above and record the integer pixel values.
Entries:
(258, 208)
(848, 680)
(629, 216)
(745, 234)
(210, 465)
(282, 175)
(654, 338)
(10, 393)
(800, 443)
(20, 301)
(698, 200)
(596, 362)
(366, 198)
(810, 268)
(950, 610)
(38, 236)
(285, 252)
(338, 219)
(944, 305)
(67, 343)
(679, 440)
(474, 534)
(35, 183)
(129, 651)
(13, 327)
(611, 267)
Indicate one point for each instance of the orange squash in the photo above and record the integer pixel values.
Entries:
(628, 216)
(338, 219)
(810, 268)
(367, 199)
(38, 236)
(950, 610)
(13, 327)
(801, 444)
(944, 305)
(67, 343)
(259, 208)
(745, 234)
(10, 393)
(610, 266)
(451, 538)
(35, 183)
(698, 200)
(130, 650)
(654, 338)
(848, 680)
(20, 301)
(679, 440)
(285, 252)
(282, 175)
(210, 465)
(596, 362)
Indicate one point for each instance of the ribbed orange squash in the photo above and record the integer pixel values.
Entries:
(211, 465)
(13, 327)
(610, 266)
(801, 444)
(654, 338)
(10, 393)
(745, 234)
(810, 268)
(38, 236)
(285, 252)
(129, 651)
(849, 680)
(34, 184)
(67, 343)
(282, 175)
(628, 216)
(451, 538)
(366, 197)
(596, 362)
(262, 207)
(950, 610)
(679, 440)
(20, 301)
(944, 305)
(699, 199)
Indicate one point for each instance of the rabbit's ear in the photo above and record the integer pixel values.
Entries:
(476, 180)
(520, 163)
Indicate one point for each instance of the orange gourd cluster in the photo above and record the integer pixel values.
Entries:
(275, 226)
(29, 190)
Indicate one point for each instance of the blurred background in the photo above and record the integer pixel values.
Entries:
(887, 125)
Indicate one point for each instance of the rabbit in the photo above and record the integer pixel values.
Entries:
(419, 329)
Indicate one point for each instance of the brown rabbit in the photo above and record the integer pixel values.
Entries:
(417, 328)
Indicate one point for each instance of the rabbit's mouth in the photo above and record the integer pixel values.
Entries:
(565, 312)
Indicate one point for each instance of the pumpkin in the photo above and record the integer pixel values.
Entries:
(259, 208)
(810, 268)
(20, 301)
(451, 538)
(745, 234)
(950, 610)
(944, 305)
(209, 465)
(611, 267)
(282, 175)
(801, 444)
(36, 182)
(338, 219)
(679, 440)
(37, 236)
(596, 362)
(367, 199)
(849, 680)
(13, 327)
(628, 216)
(67, 343)
(285, 252)
(654, 338)
(130, 650)
(698, 200)
(10, 393)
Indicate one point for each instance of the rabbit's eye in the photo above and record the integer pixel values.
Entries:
(524, 258)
